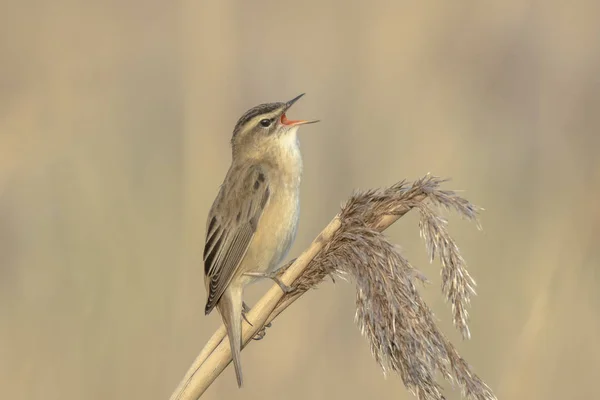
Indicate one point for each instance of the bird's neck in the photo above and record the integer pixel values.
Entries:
(288, 159)
(282, 156)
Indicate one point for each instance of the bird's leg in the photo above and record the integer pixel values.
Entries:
(261, 333)
(274, 277)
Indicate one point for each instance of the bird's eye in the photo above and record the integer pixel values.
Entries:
(265, 123)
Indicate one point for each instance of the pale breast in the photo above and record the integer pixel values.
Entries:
(278, 224)
(281, 221)
(275, 232)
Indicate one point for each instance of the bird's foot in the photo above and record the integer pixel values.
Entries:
(261, 333)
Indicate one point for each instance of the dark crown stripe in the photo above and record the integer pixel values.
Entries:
(255, 111)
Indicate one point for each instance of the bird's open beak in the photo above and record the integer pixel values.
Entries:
(287, 122)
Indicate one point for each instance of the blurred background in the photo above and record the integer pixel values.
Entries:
(115, 120)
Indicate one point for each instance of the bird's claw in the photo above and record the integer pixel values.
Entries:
(262, 332)
(284, 288)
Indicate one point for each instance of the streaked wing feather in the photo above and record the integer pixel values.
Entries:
(232, 228)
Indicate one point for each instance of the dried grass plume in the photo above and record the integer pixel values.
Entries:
(390, 312)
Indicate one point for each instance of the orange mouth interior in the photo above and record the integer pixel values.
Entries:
(288, 122)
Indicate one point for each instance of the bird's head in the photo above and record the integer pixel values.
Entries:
(265, 127)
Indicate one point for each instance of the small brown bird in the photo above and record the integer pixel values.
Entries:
(253, 221)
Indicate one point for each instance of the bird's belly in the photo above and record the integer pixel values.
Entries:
(275, 233)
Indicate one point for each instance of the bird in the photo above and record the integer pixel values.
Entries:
(253, 220)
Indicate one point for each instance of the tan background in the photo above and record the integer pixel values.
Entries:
(115, 120)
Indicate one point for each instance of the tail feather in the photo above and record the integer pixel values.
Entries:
(230, 308)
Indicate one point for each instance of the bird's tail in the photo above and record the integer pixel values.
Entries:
(230, 308)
